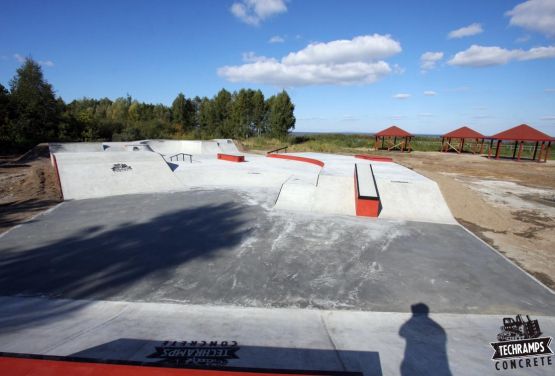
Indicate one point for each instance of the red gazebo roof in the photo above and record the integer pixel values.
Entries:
(522, 132)
(463, 132)
(393, 131)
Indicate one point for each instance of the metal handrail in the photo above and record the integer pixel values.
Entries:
(176, 156)
(277, 150)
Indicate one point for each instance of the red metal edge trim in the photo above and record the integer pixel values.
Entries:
(295, 158)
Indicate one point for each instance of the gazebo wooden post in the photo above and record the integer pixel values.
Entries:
(462, 145)
(497, 149)
(481, 146)
(383, 141)
(514, 151)
(490, 148)
(535, 151)
(441, 147)
(521, 143)
(541, 152)
(547, 151)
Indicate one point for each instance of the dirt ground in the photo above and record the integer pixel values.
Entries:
(508, 204)
(28, 185)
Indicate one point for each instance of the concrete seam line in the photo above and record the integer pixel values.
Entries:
(324, 324)
(509, 260)
(45, 212)
(88, 330)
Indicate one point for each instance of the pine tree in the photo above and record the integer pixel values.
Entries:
(34, 105)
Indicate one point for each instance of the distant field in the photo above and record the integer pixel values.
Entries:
(357, 143)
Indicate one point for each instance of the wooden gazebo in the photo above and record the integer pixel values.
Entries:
(521, 134)
(455, 140)
(393, 138)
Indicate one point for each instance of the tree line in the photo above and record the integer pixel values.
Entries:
(31, 113)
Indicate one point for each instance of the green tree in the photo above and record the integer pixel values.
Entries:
(258, 113)
(220, 121)
(281, 118)
(34, 105)
(183, 113)
(5, 132)
(242, 114)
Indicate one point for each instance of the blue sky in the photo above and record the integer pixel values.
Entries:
(348, 65)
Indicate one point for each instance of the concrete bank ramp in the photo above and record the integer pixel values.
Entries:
(226, 145)
(172, 147)
(91, 174)
(332, 195)
(416, 200)
(75, 147)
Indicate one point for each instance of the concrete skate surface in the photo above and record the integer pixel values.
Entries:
(266, 253)
(228, 247)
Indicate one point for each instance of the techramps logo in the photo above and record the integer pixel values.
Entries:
(520, 345)
(196, 353)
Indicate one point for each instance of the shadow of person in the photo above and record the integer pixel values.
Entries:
(425, 351)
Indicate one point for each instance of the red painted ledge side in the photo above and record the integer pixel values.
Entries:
(295, 158)
(373, 158)
(231, 158)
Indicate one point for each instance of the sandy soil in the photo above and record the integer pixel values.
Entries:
(510, 205)
(28, 185)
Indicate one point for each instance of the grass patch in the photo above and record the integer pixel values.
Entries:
(360, 143)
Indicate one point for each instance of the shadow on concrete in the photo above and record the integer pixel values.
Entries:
(426, 345)
(129, 261)
(17, 212)
(168, 353)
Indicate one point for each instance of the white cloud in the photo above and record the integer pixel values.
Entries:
(535, 15)
(549, 90)
(342, 62)
(430, 93)
(276, 39)
(253, 12)
(19, 58)
(548, 118)
(362, 48)
(425, 114)
(466, 31)
(398, 117)
(428, 60)
(483, 56)
(401, 96)
(46, 63)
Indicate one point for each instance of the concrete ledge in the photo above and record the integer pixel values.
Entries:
(231, 158)
(295, 158)
(367, 198)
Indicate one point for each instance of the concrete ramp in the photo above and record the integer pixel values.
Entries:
(210, 147)
(332, 195)
(75, 147)
(227, 145)
(413, 200)
(90, 175)
(171, 147)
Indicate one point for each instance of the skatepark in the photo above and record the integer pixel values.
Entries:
(308, 261)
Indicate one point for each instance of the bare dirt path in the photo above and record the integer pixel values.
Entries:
(28, 185)
(510, 205)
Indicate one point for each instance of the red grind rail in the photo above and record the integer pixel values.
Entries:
(295, 158)
(40, 367)
(373, 158)
(231, 158)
